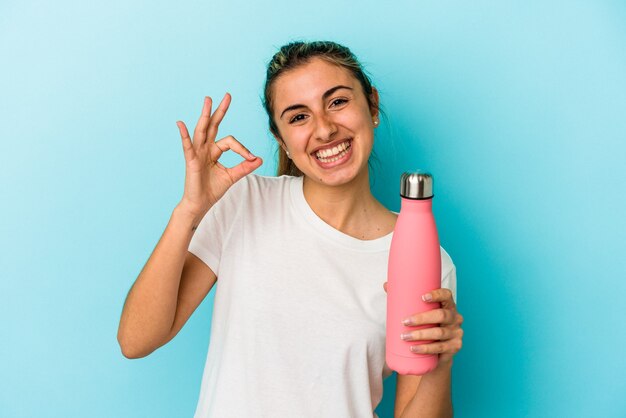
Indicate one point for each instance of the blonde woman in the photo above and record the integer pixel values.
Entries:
(299, 260)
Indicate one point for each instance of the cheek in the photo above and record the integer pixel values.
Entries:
(296, 141)
(297, 136)
(357, 119)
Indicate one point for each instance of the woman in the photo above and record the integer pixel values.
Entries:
(298, 326)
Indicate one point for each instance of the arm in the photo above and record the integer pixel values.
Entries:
(425, 396)
(430, 395)
(406, 388)
(167, 291)
(173, 282)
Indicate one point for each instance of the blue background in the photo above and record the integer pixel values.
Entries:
(516, 107)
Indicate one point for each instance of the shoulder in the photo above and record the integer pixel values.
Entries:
(259, 180)
(270, 186)
(253, 182)
(254, 192)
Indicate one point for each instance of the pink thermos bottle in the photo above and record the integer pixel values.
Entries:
(414, 269)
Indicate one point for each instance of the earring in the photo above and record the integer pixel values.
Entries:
(288, 156)
(375, 122)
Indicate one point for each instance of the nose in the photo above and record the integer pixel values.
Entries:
(325, 128)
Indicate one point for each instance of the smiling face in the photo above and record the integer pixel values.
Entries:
(324, 121)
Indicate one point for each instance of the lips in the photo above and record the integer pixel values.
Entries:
(331, 146)
(346, 156)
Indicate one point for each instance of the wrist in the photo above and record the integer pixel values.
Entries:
(186, 216)
(444, 365)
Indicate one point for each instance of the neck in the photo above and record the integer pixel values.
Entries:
(346, 207)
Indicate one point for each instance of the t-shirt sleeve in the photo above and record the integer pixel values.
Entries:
(448, 272)
(213, 231)
(449, 282)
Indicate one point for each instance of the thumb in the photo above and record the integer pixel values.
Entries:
(245, 167)
(385, 286)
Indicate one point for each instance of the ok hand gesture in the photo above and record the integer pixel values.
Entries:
(206, 180)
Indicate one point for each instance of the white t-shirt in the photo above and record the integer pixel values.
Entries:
(298, 326)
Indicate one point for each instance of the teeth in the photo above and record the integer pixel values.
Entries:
(335, 158)
(332, 152)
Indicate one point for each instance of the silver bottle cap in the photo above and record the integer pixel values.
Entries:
(416, 185)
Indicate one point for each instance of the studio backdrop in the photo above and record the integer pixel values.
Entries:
(517, 108)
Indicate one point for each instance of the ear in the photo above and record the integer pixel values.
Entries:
(278, 139)
(375, 102)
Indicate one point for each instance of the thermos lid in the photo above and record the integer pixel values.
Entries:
(416, 185)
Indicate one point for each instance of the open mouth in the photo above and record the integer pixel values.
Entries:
(334, 154)
(338, 155)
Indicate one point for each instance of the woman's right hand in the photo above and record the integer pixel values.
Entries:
(206, 180)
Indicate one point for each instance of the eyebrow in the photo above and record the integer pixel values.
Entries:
(324, 97)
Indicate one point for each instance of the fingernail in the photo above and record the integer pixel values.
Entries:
(416, 348)
(251, 155)
(427, 297)
(407, 321)
(405, 336)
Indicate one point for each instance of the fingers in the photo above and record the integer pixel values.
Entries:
(451, 346)
(229, 142)
(187, 145)
(432, 317)
(438, 295)
(250, 163)
(385, 286)
(446, 340)
(244, 168)
(433, 333)
(217, 117)
(199, 134)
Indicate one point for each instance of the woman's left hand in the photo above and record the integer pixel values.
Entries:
(448, 335)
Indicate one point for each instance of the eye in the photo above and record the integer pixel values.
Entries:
(297, 118)
(338, 101)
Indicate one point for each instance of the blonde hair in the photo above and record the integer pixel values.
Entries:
(297, 53)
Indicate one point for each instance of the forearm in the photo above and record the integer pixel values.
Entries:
(433, 398)
(150, 307)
